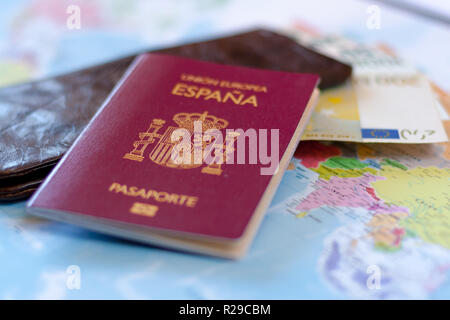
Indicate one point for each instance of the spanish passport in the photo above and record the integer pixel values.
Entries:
(183, 154)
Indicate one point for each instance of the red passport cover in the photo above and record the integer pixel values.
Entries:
(117, 168)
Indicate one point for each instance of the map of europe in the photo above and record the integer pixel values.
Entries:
(395, 201)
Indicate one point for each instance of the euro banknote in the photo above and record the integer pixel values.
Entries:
(387, 99)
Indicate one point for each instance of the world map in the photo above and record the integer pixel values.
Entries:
(348, 220)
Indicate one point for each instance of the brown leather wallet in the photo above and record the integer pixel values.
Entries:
(39, 120)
